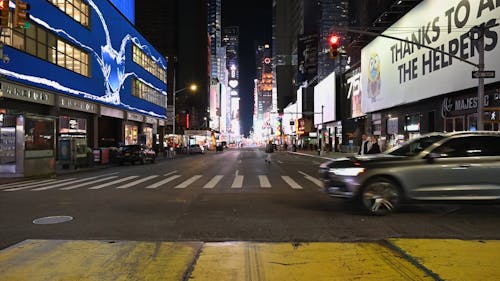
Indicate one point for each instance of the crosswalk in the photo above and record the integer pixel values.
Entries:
(172, 180)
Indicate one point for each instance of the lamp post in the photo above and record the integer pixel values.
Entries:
(192, 87)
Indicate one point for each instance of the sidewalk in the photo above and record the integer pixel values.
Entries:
(324, 155)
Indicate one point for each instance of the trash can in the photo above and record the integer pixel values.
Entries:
(104, 155)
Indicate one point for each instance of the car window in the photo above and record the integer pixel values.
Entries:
(415, 146)
(470, 146)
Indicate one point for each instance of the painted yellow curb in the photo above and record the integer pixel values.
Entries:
(49, 260)
(453, 259)
(309, 261)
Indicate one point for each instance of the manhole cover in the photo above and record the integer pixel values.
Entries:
(52, 220)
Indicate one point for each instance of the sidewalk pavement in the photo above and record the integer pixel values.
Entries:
(327, 155)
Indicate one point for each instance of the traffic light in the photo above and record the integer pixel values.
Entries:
(4, 13)
(21, 14)
(279, 126)
(334, 42)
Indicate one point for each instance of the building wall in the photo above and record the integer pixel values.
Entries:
(108, 43)
(126, 7)
(32, 83)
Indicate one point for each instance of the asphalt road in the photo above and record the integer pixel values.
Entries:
(228, 196)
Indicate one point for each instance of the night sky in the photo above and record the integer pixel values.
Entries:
(255, 21)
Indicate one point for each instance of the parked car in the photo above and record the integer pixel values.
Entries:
(460, 166)
(196, 148)
(135, 153)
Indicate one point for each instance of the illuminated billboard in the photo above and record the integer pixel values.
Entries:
(396, 72)
(324, 100)
(108, 42)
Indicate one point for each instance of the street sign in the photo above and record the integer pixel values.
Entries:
(483, 74)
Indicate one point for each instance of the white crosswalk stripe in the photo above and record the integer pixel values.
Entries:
(313, 179)
(293, 184)
(188, 182)
(7, 185)
(157, 181)
(29, 183)
(33, 185)
(264, 182)
(162, 182)
(88, 183)
(113, 182)
(213, 182)
(238, 182)
(59, 184)
(136, 182)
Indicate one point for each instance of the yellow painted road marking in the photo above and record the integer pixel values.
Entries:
(314, 261)
(49, 260)
(453, 259)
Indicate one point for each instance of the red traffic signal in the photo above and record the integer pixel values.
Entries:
(21, 14)
(4, 13)
(334, 42)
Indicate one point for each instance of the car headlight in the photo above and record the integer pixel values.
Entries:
(349, 172)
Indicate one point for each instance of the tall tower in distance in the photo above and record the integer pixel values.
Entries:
(231, 40)
(215, 35)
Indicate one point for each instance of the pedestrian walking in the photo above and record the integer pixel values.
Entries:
(364, 146)
(374, 148)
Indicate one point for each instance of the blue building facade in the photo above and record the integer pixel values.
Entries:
(82, 60)
(127, 7)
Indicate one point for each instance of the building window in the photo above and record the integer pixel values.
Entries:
(39, 42)
(148, 63)
(77, 9)
(145, 92)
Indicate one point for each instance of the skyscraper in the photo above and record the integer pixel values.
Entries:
(230, 40)
(215, 35)
(178, 28)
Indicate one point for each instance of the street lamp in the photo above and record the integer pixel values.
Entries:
(192, 88)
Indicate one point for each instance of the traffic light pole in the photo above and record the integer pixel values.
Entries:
(477, 30)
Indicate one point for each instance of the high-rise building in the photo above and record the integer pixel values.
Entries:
(332, 13)
(263, 92)
(215, 34)
(178, 28)
(231, 41)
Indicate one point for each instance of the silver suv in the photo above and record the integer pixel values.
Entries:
(459, 166)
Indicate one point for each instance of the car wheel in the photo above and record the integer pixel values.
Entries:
(380, 196)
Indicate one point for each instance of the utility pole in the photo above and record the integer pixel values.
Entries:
(479, 32)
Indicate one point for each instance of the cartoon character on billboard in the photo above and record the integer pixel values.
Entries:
(374, 77)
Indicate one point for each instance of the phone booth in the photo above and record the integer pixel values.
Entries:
(73, 150)
(27, 145)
